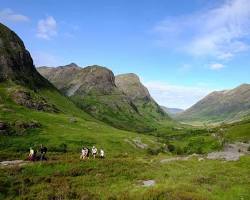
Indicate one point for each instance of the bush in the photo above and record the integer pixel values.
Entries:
(171, 148)
(155, 151)
(63, 148)
(179, 150)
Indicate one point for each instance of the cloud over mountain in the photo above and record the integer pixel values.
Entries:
(47, 28)
(8, 15)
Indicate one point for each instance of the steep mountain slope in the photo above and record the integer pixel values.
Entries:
(228, 105)
(130, 85)
(94, 90)
(21, 84)
(172, 111)
(16, 62)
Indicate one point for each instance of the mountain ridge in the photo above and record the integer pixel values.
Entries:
(99, 92)
(218, 106)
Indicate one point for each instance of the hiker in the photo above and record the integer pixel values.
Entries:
(83, 153)
(87, 152)
(94, 151)
(101, 153)
(32, 155)
(43, 151)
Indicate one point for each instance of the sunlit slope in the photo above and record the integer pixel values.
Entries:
(227, 106)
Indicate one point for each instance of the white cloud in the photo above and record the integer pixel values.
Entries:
(185, 68)
(8, 15)
(45, 59)
(176, 96)
(216, 66)
(47, 28)
(219, 32)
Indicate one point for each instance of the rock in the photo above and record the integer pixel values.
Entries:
(231, 152)
(29, 100)
(72, 120)
(4, 128)
(3, 125)
(138, 143)
(27, 125)
(148, 183)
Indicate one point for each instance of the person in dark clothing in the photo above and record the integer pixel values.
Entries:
(43, 151)
(88, 152)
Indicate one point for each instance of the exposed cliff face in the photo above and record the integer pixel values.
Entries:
(74, 80)
(130, 84)
(16, 63)
(220, 106)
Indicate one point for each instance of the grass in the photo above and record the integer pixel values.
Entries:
(120, 178)
(120, 175)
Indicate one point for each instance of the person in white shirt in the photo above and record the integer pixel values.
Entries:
(32, 154)
(83, 153)
(102, 153)
(94, 151)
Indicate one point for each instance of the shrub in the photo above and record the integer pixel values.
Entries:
(171, 148)
(154, 151)
(63, 148)
(179, 150)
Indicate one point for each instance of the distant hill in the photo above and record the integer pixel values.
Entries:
(227, 105)
(121, 101)
(172, 111)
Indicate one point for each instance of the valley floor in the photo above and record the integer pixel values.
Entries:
(122, 177)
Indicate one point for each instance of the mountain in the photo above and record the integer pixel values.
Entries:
(172, 111)
(131, 85)
(227, 105)
(97, 91)
(16, 62)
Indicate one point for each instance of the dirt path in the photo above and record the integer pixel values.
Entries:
(9, 163)
(231, 152)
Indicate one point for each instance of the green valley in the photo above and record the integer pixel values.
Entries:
(148, 155)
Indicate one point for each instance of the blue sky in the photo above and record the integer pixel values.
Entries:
(182, 50)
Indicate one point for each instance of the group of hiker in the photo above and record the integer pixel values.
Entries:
(85, 153)
(33, 154)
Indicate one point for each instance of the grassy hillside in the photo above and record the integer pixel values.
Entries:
(219, 106)
(70, 126)
(121, 174)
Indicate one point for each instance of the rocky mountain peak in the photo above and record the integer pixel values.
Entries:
(131, 85)
(96, 79)
(70, 66)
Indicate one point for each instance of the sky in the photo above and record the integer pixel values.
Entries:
(181, 50)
